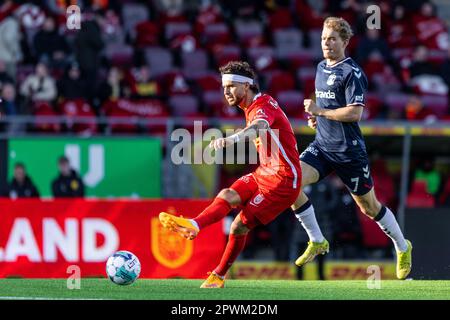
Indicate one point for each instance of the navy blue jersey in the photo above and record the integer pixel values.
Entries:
(338, 86)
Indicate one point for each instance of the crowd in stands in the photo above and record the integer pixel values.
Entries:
(156, 59)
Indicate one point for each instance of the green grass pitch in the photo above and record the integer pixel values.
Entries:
(178, 289)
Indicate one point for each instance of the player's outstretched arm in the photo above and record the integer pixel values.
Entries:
(251, 132)
(351, 113)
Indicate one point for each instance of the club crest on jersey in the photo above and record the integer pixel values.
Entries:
(260, 113)
(257, 200)
(331, 79)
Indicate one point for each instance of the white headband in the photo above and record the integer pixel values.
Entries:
(236, 78)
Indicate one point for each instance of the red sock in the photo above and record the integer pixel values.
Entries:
(216, 211)
(234, 247)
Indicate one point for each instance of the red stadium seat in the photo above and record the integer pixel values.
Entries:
(119, 54)
(288, 39)
(249, 32)
(208, 81)
(175, 29)
(397, 101)
(419, 197)
(159, 59)
(132, 15)
(263, 58)
(226, 53)
(79, 108)
(307, 78)
(291, 102)
(280, 19)
(194, 62)
(44, 109)
(147, 34)
(183, 105)
(215, 34)
(278, 80)
(437, 104)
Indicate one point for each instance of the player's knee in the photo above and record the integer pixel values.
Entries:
(230, 196)
(238, 228)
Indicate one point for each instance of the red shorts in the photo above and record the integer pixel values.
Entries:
(261, 207)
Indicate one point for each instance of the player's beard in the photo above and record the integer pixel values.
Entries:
(238, 100)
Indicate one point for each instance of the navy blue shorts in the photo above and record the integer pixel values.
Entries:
(352, 167)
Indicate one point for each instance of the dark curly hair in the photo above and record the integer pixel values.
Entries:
(241, 68)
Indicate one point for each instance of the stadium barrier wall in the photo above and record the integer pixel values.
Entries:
(41, 239)
(428, 230)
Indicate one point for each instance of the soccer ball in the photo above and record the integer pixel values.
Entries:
(123, 268)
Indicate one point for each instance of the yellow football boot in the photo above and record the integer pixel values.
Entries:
(179, 224)
(213, 281)
(313, 249)
(404, 262)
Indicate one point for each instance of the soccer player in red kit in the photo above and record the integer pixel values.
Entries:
(261, 195)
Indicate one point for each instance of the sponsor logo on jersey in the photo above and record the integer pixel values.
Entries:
(359, 98)
(260, 114)
(310, 149)
(325, 94)
(331, 79)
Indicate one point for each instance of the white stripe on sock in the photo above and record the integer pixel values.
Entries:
(308, 220)
(390, 226)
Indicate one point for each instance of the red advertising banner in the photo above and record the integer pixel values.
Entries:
(41, 239)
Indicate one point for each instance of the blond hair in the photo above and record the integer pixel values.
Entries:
(340, 26)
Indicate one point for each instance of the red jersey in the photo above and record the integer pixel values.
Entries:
(277, 150)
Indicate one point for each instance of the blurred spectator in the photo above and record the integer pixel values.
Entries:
(88, 46)
(39, 86)
(431, 31)
(142, 84)
(4, 76)
(400, 33)
(72, 86)
(424, 77)
(68, 184)
(428, 173)
(10, 50)
(372, 44)
(113, 87)
(50, 46)
(21, 185)
(420, 63)
(415, 110)
(8, 103)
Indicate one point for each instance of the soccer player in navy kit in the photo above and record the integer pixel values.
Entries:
(339, 146)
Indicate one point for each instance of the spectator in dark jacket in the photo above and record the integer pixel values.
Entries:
(72, 86)
(21, 186)
(50, 45)
(68, 184)
(88, 46)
